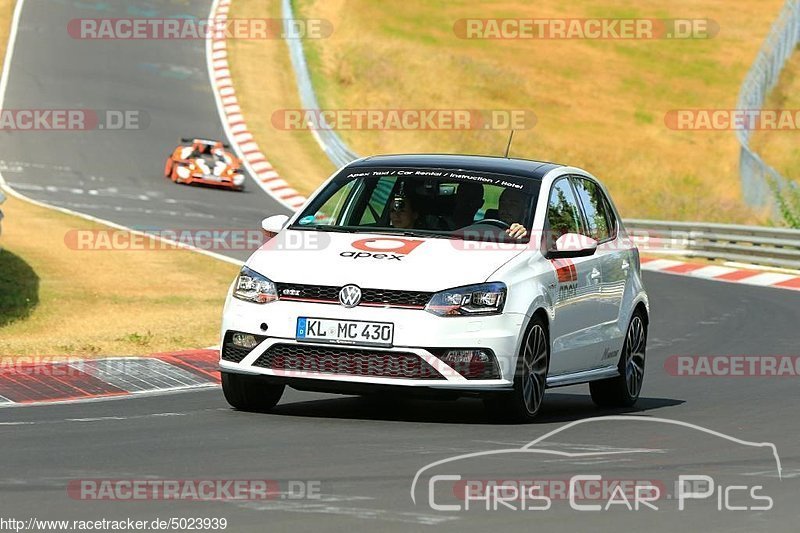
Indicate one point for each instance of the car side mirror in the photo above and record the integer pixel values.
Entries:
(274, 224)
(573, 245)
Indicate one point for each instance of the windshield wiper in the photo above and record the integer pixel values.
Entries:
(324, 227)
(381, 231)
(424, 235)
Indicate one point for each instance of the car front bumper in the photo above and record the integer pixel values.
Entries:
(418, 337)
(214, 181)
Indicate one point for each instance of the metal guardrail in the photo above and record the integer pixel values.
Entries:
(757, 245)
(759, 81)
(330, 142)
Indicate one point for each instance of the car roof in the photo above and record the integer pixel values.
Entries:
(481, 163)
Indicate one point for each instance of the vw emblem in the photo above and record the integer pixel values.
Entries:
(349, 296)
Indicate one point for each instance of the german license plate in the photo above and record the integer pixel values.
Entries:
(345, 331)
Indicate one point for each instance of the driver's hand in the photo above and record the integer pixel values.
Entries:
(517, 231)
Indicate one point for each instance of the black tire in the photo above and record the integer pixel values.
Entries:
(530, 379)
(248, 393)
(623, 390)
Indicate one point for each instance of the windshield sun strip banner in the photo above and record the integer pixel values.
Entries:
(527, 185)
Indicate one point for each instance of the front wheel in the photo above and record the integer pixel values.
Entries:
(248, 393)
(623, 390)
(524, 402)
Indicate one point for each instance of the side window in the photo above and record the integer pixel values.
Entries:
(331, 210)
(563, 213)
(595, 206)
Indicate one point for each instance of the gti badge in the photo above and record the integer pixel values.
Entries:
(349, 296)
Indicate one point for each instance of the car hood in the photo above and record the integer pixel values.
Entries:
(378, 261)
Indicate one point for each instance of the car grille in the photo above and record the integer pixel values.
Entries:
(369, 297)
(478, 370)
(346, 361)
(233, 353)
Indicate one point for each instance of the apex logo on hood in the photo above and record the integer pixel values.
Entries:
(389, 248)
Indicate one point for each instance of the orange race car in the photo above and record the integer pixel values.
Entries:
(205, 161)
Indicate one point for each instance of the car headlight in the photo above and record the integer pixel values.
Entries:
(471, 300)
(253, 287)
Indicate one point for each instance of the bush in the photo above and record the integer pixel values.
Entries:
(788, 201)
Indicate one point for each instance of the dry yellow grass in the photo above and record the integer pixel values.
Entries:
(100, 302)
(600, 104)
(781, 148)
(265, 83)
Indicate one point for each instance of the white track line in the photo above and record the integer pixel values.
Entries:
(711, 271)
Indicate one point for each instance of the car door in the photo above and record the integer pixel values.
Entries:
(615, 263)
(574, 330)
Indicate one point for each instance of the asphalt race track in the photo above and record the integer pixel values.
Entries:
(118, 175)
(356, 457)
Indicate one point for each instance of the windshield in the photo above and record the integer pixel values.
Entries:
(430, 202)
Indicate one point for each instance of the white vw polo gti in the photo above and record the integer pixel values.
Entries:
(441, 275)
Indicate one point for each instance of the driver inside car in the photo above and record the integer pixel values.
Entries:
(511, 208)
(403, 212)
(408, 211)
